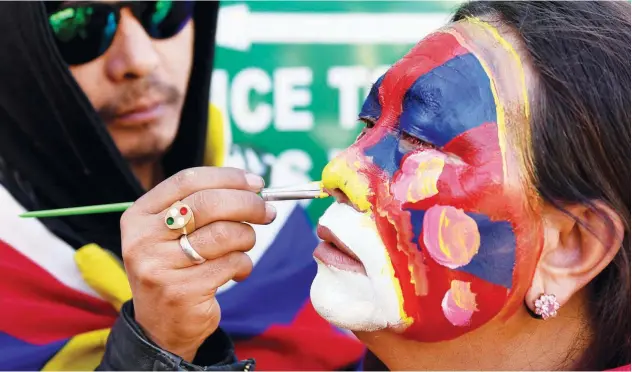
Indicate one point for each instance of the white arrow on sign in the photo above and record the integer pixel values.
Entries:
(238, 28)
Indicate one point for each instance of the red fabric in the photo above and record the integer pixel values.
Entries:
(300, 346)
(37, 308)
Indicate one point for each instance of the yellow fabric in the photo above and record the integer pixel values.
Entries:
(106, 276)
(215, 152)
(82, 353)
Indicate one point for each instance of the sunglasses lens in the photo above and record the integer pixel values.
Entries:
(164, 19)
(83, 33)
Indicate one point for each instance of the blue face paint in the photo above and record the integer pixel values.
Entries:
(371, 107)
(447, 101)
(386, 154)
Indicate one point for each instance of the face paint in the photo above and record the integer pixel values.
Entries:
(435, 177)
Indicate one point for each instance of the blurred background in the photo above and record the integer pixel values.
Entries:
(290, 77)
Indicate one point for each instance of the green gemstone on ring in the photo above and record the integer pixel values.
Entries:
(170, 221)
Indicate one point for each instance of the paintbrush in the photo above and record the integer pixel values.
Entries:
(312, 190)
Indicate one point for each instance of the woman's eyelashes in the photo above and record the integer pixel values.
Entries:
(408, 142)
(368, 124)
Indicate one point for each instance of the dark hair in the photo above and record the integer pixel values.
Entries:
(580, 134)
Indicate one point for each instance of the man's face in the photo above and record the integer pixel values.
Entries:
(138, 87)
(432, 234)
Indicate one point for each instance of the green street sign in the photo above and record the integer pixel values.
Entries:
(290, 77)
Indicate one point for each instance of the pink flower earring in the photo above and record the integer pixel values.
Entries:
(546, 306)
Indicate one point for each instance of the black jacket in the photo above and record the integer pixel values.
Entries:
(129, 349)
(55, 152)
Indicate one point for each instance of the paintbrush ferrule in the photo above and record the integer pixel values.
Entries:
(275, 195)
(312, 190)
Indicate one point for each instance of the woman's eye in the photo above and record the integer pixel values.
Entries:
(368, 124)
(414, 142)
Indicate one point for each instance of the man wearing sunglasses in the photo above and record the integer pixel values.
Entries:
(101, 102)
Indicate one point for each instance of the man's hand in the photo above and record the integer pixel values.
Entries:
(174, 298)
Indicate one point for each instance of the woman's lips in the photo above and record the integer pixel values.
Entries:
(333, 252)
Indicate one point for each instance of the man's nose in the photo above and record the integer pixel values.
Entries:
(344, 179)
(132, 54)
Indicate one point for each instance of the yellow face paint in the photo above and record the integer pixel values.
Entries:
(462, 295)
(419, 177)
(428, 174)
(451, 236)
(344, 175)
(438, 178)
(514, 54)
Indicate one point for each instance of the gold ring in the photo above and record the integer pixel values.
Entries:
(180, 217)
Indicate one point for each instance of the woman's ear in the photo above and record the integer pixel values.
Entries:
(577, 247)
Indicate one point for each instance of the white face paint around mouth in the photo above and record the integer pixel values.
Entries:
(352, 300)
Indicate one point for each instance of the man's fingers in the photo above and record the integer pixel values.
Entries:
(212, 274)
(216, 240)
(189, 181)
(229, 205)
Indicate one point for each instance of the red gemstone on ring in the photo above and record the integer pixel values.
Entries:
(183, 211)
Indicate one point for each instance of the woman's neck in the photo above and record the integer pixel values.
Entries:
(521, 343)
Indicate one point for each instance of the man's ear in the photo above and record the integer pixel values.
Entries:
(575, 249)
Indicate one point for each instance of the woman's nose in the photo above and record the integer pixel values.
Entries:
(344, 179)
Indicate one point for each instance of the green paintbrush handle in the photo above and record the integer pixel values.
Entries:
(92, 209)
(312, 190)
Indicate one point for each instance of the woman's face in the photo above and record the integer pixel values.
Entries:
(433, 209)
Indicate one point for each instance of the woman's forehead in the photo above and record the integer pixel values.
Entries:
(492, 46)
(454, 80)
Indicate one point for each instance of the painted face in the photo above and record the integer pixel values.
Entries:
(433, 234)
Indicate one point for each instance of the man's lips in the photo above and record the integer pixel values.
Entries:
(140, 114)
(332, 251)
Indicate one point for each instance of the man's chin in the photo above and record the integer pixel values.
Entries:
(148, 151)
(142, 158)
(346, 299)
(144, 144)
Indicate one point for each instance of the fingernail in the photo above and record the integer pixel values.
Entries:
(255, 181)
(270, 212)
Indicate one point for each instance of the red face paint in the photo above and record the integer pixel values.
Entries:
(459, 238)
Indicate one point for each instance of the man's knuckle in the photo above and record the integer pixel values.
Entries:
(127, 253)
(235, 257)
(127, 220)
(208, 201)
(130, 248)
(241, 262)
(246, 234)
(256, 204)
(147, 275)
(184, 179)
(219, 233)
(174, 295)
(234, 174)
(133, 240)
(205, 238)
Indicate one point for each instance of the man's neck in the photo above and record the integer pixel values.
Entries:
(149, 174)
(523, 343)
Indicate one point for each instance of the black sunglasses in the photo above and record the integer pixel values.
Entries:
(85, 30)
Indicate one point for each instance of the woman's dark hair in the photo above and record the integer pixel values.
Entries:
(580, 134)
